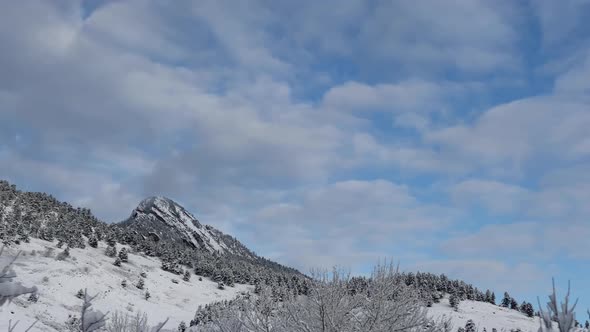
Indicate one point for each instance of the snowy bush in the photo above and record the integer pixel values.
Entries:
(10, 289)
(63, 255)
(121, 322)
(34, 297)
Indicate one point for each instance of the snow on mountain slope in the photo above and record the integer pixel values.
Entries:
(485, 315)
(168, 220)
(90, 268)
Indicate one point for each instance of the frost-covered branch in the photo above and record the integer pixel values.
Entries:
(9, 289)
(565, 315)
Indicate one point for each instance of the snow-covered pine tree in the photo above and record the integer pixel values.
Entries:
(140, 283)
(117, 261)
(454, 301)
(147, 295)
(513, 304)
(111, 251)
(506, 300)
(187, 276)
(93, 241)
(470, 326)
(529, 310)
(123, 255)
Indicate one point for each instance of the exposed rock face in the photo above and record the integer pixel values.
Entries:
(161, 218)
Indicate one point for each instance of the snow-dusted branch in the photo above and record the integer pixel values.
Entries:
(9, 289)
(565, 315)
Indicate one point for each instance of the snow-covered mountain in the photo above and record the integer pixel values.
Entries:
(163, 219)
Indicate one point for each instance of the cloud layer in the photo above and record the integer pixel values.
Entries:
(452, 137)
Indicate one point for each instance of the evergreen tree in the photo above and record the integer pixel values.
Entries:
(529, 310)
(470, 326)
(124, 283)
(117, 261)
(587, 325)
(93, 241)
(454, 301)
(140, 284)
(147, 295)
(513, 304)
(111, 251)
(506, 300)
(186, 276)
(493, 298)
(182, 327)
(80, 294)
(123, 255)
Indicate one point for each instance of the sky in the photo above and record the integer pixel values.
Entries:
(452, 137)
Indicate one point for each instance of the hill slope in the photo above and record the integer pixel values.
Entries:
(59, 281)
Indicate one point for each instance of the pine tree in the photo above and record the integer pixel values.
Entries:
(454, 301)
(529, 310)
(93, 241)
(187, 276)
(506, 300)
(513, 304)
(147, 295)
(123, 255)
(493, 298)
(587, 325)
(80, 294)
(111, 251)
(182, 327)
(140, 284)
(124, 283)
(117, 261)
(470, 326)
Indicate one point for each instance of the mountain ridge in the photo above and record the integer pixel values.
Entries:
(162, 218)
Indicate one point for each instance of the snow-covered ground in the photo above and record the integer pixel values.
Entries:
(59, 281)
(485, 315)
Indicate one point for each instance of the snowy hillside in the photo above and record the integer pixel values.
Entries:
(485, 315)
(59, 281)
(163, 219)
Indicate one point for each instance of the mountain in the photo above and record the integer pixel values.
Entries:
(161, 218)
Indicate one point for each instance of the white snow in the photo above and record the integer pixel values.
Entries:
(89, 268)
(485, 315)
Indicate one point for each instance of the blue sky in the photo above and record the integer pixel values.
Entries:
(451, 136)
